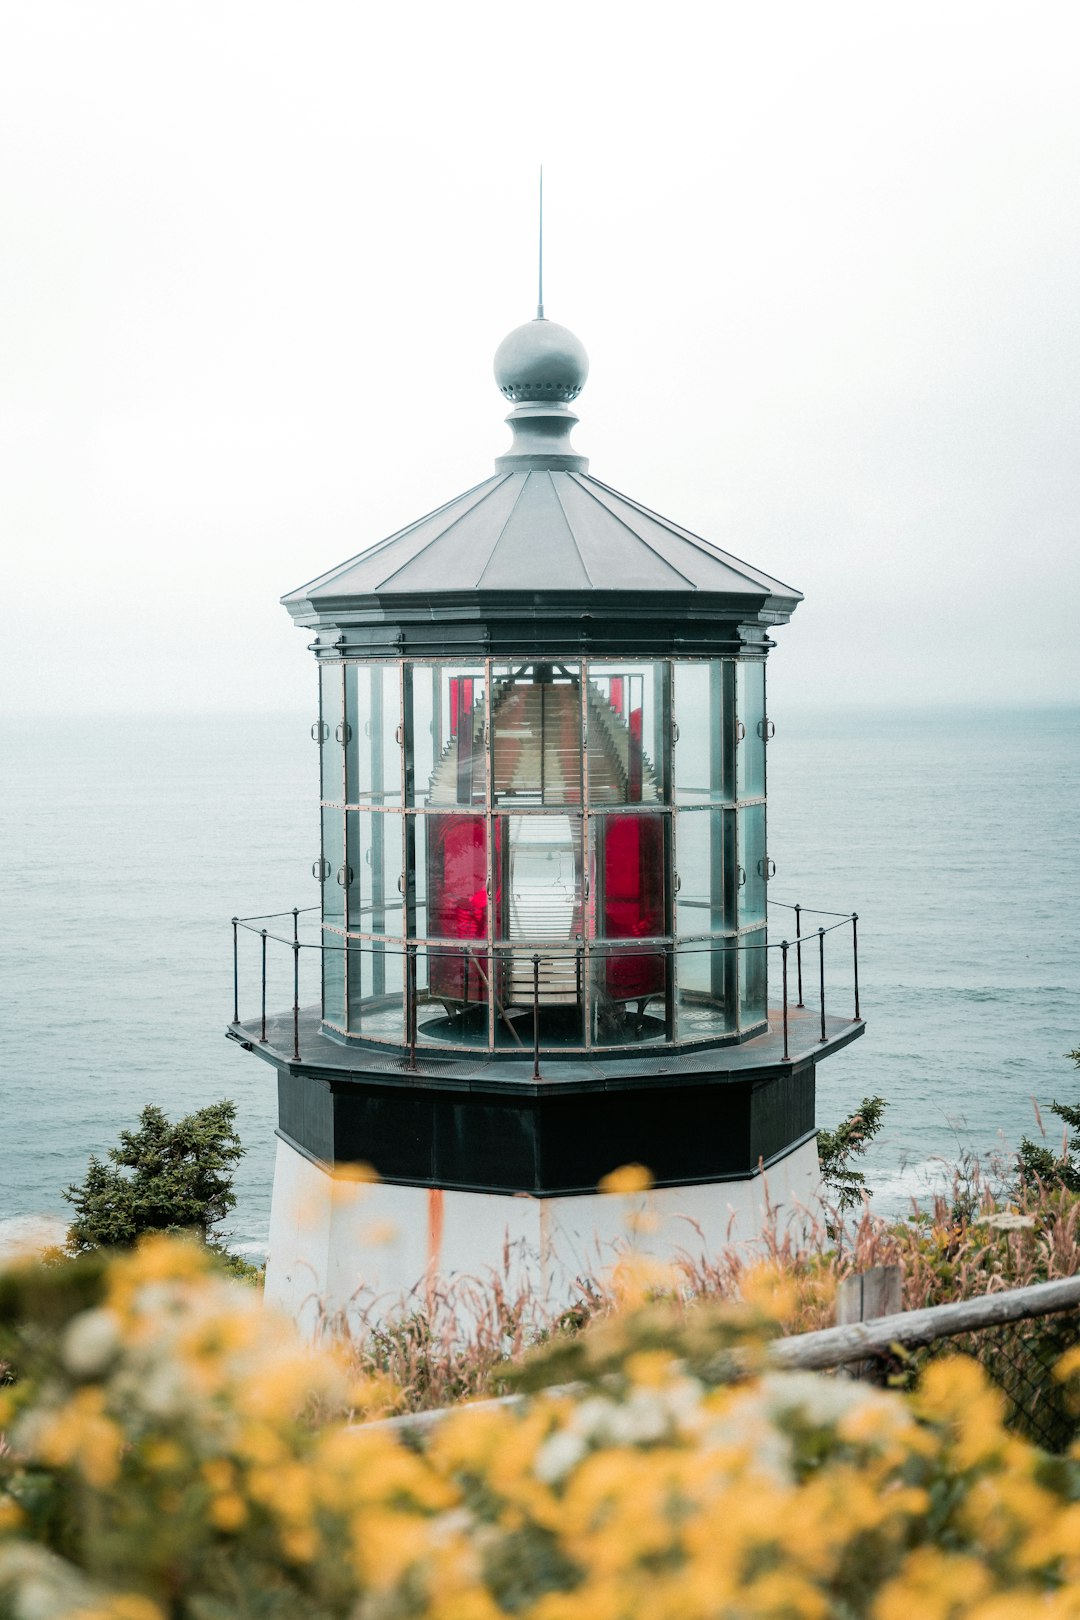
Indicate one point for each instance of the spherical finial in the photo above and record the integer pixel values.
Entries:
(541, 361)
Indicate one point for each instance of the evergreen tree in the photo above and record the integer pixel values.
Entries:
(839, 1148)
(162, 1178)
(1036, 1163)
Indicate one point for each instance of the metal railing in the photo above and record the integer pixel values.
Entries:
(485, 958)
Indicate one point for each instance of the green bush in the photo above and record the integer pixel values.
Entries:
(1036, 1163)
(163, 1177)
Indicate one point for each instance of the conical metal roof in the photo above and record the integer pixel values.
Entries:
(542, 557)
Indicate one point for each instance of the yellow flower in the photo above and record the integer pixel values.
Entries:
(765, 1288)
(1069, 1364)
(11, 1514)
(377, 1234)
(650, 1368)
(120, 1606)
(350, 1182)
(260, 1443)
(81, 1434)
(358, 1172)
(155, 1259)
(957, 1392)
(164, 1456)
(637, 1277)
(373, 1395)
(386, 1544)
(228, 1511)
(475, 1604)
(629, 1178)
(300, 1544)
(932, 1585)
(219, 1474)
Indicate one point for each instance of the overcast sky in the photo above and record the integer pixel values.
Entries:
(255, 260)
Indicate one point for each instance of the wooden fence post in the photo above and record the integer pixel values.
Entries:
(865, 1296)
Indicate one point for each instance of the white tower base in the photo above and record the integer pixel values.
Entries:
(352, 1252)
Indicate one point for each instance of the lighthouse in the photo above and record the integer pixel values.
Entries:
(543, 945)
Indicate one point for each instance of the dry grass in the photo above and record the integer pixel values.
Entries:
(468, 1337)
(949, 1248)
(460, 1341)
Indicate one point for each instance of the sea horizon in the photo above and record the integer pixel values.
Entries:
(129, 842)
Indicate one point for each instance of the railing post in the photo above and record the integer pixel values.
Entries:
(262, 1037)
(235, 972)
(410, 1002)
(296, 983)
(536, 1017)
(798, 952)
(783, 958)
(855, 959)
(821, 974)
(296, 1000)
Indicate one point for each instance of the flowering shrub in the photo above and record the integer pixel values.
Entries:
(175, 1451)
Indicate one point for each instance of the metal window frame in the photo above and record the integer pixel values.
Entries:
(590, 944)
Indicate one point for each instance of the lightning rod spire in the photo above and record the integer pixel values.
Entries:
(540, 253)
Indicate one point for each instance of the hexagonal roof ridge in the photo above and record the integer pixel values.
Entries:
(538, 531)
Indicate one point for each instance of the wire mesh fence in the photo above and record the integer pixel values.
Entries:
(1019, 1358)
(1017, 1335)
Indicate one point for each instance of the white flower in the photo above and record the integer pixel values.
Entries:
(456, 1523)
(37, 1585)
(90, 1343)
(742, 1426)
(819, 1401)
(644, 1416)
(592, 1417)
(558, 1455)
(163, 1393)
(683, 1398)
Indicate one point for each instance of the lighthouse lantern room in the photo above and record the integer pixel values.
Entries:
(543, 935)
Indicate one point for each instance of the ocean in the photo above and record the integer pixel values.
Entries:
(128, 842)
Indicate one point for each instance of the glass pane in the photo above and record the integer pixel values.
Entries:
(332, 752)
(448, 714)
(452, 875)
(421, 715)
(705, 863)
(629, 996)
(750, 752)
(336, 877)
(373, 722)
(376, 991)
(704, 701)
(536, 734)
(452, 995)
(753, 979)
(539, 887)
(558, 999)
(629, 891)
(752, 861)
(333, 980)
(706, 993)
(629, 726)
(374, 856)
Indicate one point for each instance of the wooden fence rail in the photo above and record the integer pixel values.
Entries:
(835, 1347)
(856, 1341)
